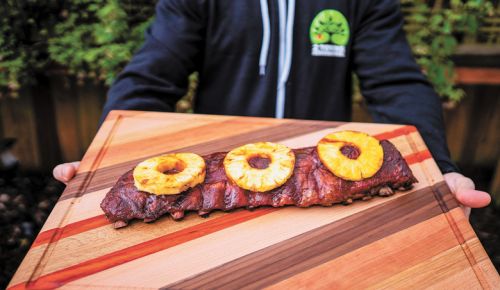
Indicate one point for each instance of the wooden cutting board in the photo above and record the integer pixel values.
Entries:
(414, 239)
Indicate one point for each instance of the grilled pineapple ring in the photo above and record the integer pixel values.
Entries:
(170, 173)
(351, 155)
(237, 165)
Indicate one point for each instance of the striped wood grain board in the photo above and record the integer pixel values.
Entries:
(419, 238)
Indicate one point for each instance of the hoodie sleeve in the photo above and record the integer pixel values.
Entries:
(395, 89)
(157, 76)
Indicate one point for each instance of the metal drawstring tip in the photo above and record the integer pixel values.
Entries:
(262, 70)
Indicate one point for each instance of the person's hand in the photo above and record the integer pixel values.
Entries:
(66, 171)
(465, 192)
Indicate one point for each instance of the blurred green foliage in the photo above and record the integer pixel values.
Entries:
(89, 38)
(96, 38)
(97, 42)
(434, 32)
(24, 29)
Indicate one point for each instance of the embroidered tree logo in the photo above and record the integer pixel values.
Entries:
(329, 26)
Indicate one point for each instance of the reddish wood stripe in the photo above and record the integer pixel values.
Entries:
(406, 130)
(61, 277)
(56, 234)
(410, 203)
(418, 157)
(78, 227)
(107, 176)
(279, 271)
(50, 236)
(308, 250)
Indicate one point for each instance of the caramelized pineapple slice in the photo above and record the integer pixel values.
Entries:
(351, 155)
(170, 173)
(260, 166)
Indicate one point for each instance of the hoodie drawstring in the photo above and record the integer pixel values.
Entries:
(286, 21)
(289, 41)
(285, 60)
(266, 35)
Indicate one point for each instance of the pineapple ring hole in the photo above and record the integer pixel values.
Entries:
(350, 151)
(171, 167)
(259, 161)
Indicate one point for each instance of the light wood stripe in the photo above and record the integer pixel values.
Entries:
(438, 194)
(80, 209)
(290, 257)
(106, 176)
(162, 135)
(71, 229)
(26, 269)
(119, 239)
(228, 244)
(138, 125)
(56, 234)
(78, 227)
(103, 240)
(413, 250)
(125, 255)
(369, 128)
(154, 244)
(87, 204)
(61, 277)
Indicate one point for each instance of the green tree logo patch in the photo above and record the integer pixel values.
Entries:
(329, 33)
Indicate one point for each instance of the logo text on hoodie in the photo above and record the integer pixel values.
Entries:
(329, 34)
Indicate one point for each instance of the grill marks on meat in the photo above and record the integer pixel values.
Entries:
(310, 184)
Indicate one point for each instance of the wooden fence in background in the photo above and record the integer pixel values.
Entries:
(52, 122)
(55, 121)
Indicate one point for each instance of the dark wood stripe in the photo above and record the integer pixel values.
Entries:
(94, 222)
(446, 205)
(275, 263)
(288, 258)
(107, 176)
(82, 185)
(446, 201)
(73, 186)
(53, 235)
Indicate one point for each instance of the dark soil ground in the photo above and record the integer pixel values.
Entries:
(26, 200)
(25, 203)
(486, 224)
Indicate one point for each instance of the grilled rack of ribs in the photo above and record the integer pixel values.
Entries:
(310, 184)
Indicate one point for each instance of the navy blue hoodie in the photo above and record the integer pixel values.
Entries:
(279, 58)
